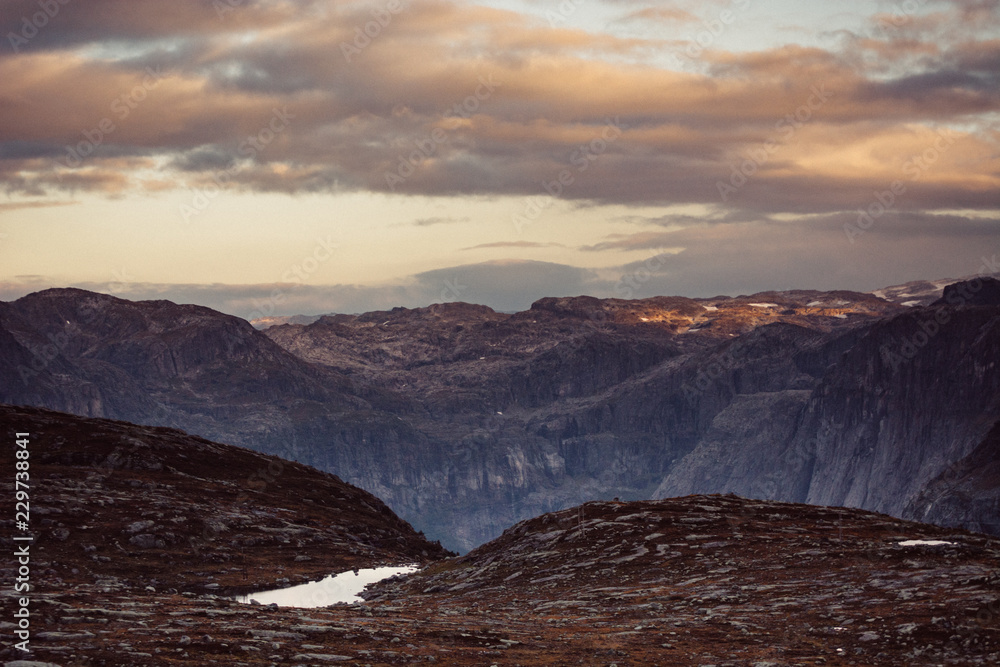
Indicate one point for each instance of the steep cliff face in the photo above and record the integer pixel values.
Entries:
(465, 420)
(911, 398)
(967, 492)
(905, 403)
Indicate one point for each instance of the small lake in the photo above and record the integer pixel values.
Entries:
(343, 587)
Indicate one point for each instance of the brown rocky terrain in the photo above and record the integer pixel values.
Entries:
(700, 580)
(122, 506)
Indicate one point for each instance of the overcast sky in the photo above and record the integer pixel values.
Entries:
(308, 156)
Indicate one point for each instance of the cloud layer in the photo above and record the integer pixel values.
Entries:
(121, 95)
(865, 158)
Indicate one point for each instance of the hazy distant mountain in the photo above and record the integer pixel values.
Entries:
(262, 323)
(465, 420)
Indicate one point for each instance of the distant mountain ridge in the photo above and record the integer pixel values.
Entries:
(465, 420)
(925, 292)
(914, 293)
(262, 323)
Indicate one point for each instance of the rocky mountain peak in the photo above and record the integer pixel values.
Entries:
(975, 292)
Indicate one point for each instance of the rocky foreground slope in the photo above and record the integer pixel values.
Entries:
(465, 420)
(119, 506)
(700, 580)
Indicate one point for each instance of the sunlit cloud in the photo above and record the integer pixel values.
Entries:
(473, 103)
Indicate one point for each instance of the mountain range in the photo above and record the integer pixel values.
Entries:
(465, 420)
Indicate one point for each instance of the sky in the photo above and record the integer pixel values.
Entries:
(310, 156)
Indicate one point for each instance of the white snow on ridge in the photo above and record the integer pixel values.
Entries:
(910, 304)
(813, 304)
(763, 305)
(711, 308)
(923, 543)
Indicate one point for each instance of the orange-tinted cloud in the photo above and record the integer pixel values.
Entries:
(493, 102)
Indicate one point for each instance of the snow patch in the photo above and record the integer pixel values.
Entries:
(710, 308)
(343, 587)
(764, 305)
(927, 543)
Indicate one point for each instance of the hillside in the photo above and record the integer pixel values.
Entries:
(699, 580)
(124, 507)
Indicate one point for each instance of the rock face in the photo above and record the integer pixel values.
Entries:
(967, 492)
(465, 420)
(911, 398)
